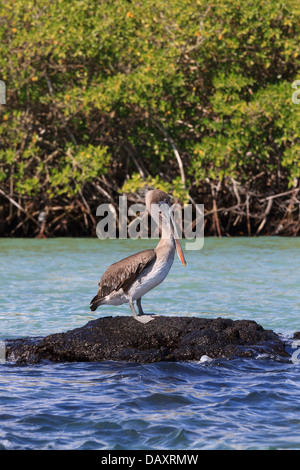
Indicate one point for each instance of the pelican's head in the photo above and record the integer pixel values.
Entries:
(158, 204)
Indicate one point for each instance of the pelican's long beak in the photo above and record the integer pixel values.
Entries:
(180, 252)
(177, 243)
(166, 217)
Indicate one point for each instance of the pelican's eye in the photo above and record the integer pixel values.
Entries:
(165, 201)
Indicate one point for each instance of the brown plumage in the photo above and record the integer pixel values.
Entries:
(122, 274)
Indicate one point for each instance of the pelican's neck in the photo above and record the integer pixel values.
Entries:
(166, 242)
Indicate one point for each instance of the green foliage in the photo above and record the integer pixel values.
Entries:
(76, 167)
(87, 82)
(176, 188)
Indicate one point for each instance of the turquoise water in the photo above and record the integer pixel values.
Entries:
(46, 287)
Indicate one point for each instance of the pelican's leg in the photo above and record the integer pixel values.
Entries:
(142, 318)
(141, 311)
(139, 304)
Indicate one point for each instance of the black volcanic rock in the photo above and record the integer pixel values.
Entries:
(163, 339)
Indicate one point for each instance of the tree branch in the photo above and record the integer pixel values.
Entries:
(174, 147)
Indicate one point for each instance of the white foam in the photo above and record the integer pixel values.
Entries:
(205, 358)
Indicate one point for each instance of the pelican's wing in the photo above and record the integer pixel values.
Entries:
(122, 274)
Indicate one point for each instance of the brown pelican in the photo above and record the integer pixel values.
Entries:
(132, 277)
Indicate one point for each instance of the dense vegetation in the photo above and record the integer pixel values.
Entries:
(112, 96)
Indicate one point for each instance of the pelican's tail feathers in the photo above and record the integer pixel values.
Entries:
(95, 302)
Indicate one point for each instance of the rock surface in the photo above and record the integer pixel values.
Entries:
(163, 339)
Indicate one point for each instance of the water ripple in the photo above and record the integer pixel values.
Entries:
(219, 404)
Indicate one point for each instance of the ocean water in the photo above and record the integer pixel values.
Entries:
(46, 287)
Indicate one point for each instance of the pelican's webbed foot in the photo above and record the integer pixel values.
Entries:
(141, 316)
(144, 318)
